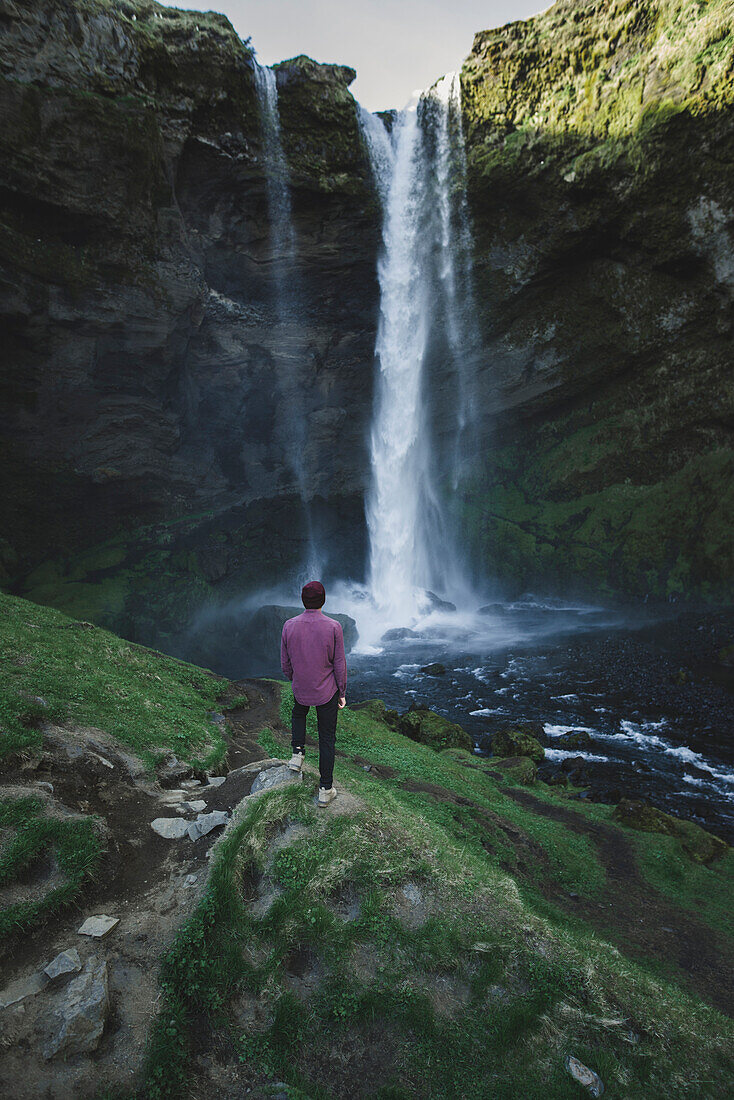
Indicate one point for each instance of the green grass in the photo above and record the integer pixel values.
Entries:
(74, 842)
(571, 857)
(86, 676)
(523, 991)
(704, 891)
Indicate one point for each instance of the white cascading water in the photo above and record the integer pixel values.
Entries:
(287, 307)
(455, 251)
(398, 551)
(412, 548)
(280, 219)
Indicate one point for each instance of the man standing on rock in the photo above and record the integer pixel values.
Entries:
(312, 657)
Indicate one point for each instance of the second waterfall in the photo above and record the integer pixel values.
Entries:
(424, 342)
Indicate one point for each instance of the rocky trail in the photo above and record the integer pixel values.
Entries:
(158, 837)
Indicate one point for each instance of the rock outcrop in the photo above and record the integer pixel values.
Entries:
(600, 143)
(150, 386)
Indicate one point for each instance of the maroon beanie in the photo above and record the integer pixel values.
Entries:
(313, 595)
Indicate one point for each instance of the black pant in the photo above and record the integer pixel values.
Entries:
(326, 720)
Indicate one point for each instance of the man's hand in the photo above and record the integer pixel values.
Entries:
(342, 701)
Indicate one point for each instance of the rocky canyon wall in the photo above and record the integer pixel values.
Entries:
(601, 175)
(152, 387)
(156, 398)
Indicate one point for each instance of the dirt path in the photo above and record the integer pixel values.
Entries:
(630, 912)
(636, 916)
(150, 883)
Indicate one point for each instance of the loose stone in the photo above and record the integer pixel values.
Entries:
(99, 926)
(83, 1012)
(66, 962)
(274, 777)
(206, 822)
(585, 1076)
(20, 989)
(170, 828)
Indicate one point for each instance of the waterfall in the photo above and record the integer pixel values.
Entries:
(288, 310)
(423, 279)
(455, 254)
(277, 182)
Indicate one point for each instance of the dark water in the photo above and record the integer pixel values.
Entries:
(656, 704)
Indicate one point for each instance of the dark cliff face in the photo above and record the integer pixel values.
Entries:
(162, 410)
(601, 159)
(149, 387)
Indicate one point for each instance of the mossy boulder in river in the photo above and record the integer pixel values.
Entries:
(701, 846)
(420, 724)
(578, 739)
(521, 769)
(519, 740)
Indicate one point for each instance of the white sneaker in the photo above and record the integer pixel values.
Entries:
(296, 762)
(326, 796)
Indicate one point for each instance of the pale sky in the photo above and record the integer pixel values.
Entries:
(396, 46)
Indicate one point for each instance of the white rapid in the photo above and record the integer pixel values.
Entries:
(288, 311)
(423, 281)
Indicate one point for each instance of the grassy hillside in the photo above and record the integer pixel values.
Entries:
(440, 931)
(56, 672)
(53, 668)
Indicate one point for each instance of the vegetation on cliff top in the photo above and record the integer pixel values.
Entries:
(599, 70)
(599, 142)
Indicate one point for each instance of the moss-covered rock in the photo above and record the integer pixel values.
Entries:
(518, 740)
(579, 739)
(700, 845)
(429, 728)
(520, 769)
(374, 708)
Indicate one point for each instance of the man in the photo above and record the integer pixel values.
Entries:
(312, 656)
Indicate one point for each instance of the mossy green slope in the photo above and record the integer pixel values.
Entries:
(438, 932)
(53, 668)
(395, 956)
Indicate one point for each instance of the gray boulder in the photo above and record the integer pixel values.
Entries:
(170, 828)
(399, 634)
(274, 777)
(66, 962)
(82, 1014)
(206, 822)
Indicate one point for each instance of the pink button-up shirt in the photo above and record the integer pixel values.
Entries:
(312, 656)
